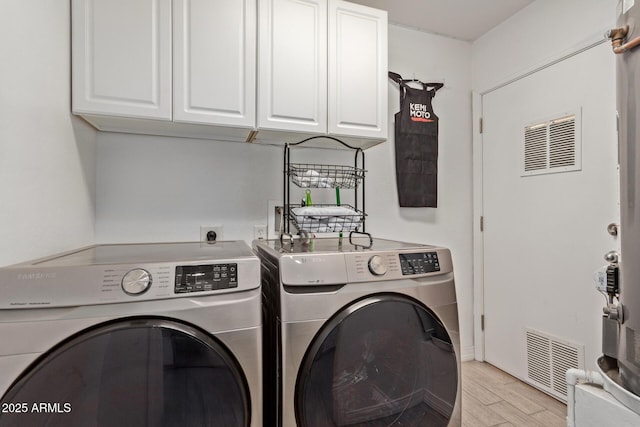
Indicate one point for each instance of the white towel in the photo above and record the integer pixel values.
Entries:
(316, 211)
(323, 219)
(313, 179)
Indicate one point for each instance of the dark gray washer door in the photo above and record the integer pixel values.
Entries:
(385, 360)
(135, 372)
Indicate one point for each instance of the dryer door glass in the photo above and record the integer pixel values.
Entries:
(138, 372)
(383, 361)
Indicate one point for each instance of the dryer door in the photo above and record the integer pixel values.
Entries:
(384, 361)
(136, 372)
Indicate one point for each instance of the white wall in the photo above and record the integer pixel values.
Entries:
(47, 166)
(152, 189)
(544, 30)
(431, 58)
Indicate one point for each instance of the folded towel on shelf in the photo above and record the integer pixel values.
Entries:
(322, 211)
(312, 178)
(325, 219)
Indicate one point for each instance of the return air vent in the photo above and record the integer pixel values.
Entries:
(548, 359)
(552, 146)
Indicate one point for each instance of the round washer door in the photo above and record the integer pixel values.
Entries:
(136, 372)
(384, 361)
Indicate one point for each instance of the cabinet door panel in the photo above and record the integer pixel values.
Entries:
(122, 57)
(292, 61)
(357, 70)
(214, 61)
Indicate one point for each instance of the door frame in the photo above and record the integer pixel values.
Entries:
(592, 41)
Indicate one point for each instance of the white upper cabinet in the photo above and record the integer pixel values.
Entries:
(358, 67)
(122, 58)
(292, 66)
(272, 71)
(214, 62)
(322, 70)
(190, 63)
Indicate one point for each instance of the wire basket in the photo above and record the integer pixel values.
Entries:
(326, 218)
(325, 176)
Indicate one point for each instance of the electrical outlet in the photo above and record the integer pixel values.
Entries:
(260, 231)
(205, 229)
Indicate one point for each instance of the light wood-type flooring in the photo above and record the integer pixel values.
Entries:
(491, 397)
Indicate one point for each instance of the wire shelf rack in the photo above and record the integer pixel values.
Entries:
(309, 175)
(314, 218)
(326, 218)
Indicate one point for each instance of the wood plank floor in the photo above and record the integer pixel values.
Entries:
(491, 397)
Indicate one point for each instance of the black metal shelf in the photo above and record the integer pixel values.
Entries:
(324, 218)
(312, 175)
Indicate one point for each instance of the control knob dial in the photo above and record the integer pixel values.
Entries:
(377, 265)
(136, 281)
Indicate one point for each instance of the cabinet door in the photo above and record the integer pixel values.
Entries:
(357, 70)
(292, 86)
(121, 52)
(215, 61)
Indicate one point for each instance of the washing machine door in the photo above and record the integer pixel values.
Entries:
(138, 372)
(384, 361)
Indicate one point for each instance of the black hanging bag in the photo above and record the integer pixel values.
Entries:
(416, 143)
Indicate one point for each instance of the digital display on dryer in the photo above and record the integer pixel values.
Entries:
(419, 263)
(210, 277)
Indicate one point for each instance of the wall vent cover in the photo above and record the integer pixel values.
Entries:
(552, 145)
(548, 359)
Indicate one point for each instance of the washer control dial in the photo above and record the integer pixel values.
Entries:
(136, 281)
(377, 265)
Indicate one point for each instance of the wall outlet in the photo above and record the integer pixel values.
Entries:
(206, 229)
(260, 231)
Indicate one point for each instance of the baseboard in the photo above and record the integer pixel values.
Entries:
(468, 354)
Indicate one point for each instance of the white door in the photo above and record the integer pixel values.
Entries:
(215, 61)
(122, 58)
(545, 234)
(292, 85)
(357, 70)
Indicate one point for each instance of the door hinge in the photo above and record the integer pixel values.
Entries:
(482, 322)
(481, 124)
(482, 223)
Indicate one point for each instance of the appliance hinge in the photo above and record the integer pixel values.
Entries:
(481, 125)
(482, 322)
(482, 223)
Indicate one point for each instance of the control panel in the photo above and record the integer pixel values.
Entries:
(419, 263)
(209, 277)
(109, 274)
(389, 265)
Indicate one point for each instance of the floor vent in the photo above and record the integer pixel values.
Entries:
(548, 359)
(552, 146)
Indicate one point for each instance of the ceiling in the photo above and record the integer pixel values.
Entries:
(460, 19)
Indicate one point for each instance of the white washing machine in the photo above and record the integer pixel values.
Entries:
(359, 334)
(133, 335)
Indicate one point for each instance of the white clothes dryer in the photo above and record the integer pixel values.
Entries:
(359, 334)
(163, 334)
